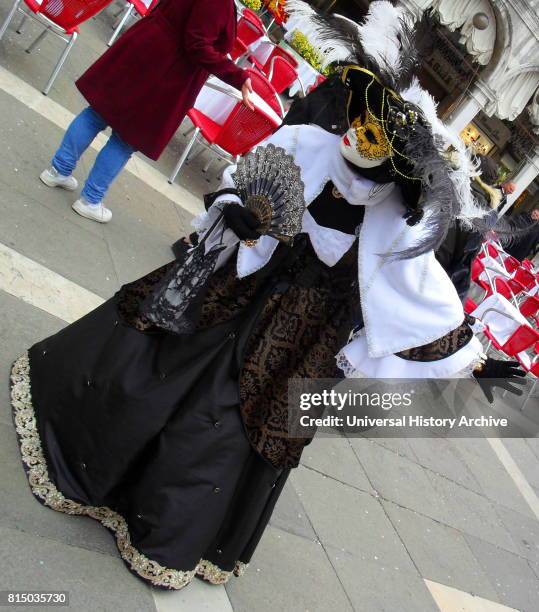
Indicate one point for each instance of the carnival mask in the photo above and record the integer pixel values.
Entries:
(365, 144)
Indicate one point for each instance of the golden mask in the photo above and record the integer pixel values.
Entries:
(372, 142)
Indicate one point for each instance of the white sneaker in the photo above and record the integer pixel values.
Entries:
(96, 212)
(52, 178)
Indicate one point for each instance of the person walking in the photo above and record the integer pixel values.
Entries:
(142, 88)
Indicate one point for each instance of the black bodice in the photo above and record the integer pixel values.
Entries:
(330, 209)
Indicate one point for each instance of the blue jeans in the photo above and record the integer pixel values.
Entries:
(109, 163)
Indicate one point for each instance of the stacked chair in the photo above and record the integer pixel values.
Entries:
(250, 29)
(509, 306)
(59, 17)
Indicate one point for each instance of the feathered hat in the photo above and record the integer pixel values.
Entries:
(377, 61)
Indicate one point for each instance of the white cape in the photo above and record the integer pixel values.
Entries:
(405, 303)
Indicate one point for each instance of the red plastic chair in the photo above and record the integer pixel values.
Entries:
(283, 75)
(469, 306)
(248, 32)
(526, 263)
(142, 7)
(319, 80)
(477, 270)
(530, 306)
(263, 87)
(251, 16)
(241, 131)
(490, 250)
(521, 339)
(511, 263)
(502, 286)
(60, 17)
(275, 52)
(524, 278)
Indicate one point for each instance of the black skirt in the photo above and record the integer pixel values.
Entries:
(121, 426)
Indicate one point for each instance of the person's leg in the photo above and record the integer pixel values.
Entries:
(78, 137)
(109, 163)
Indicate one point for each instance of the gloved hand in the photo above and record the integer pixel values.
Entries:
(241, 221)
(498, 373)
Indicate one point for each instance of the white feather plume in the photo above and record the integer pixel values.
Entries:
(379, 33)
(466, 165)
(330, 50)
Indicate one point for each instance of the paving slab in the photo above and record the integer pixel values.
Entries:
(493, 478)
(471, 513)
(400, 446)
(350, 520)
(136, 249)
(442, 456)
(30, 141)
(533, 444)
(33, 141)
(198, 596)
(440, 552)
(335, 457)
(524, 531)
(522, 451)
(289, 514)
(290, 574)
(511, 576)
(95, 582)
(131, 198)
(375, 589)
(21, 326)
(71, 251)
(398, 479)
(20, 510)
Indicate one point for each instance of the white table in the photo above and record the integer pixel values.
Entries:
(261, 49)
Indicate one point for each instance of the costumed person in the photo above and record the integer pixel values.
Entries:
(172, 51)
(163, 414)
(462, 244)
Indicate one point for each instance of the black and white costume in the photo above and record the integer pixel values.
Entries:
(177, 442)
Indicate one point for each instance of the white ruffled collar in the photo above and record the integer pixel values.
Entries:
(356, 189)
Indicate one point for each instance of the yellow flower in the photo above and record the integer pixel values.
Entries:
(254, 5)
(308, 52)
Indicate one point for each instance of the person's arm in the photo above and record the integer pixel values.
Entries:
(202, 31)
(457, 354)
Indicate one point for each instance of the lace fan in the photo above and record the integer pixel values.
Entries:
(270, 186)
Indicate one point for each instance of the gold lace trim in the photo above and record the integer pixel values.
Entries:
(45, 489)
(214, 574)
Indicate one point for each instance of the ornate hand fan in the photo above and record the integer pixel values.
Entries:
(270, 186)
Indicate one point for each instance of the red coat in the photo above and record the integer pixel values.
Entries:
(147, 81)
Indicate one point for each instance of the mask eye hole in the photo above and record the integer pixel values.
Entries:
(371, 136)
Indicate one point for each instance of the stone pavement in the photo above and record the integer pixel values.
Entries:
(369, 525)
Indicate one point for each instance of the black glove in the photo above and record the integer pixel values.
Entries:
(241, 221)
(497, 373)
